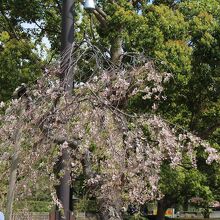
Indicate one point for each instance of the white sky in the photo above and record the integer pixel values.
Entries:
(45, 41)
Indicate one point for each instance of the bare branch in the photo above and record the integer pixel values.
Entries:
(100, 18)
(100, 11)
(46, 29)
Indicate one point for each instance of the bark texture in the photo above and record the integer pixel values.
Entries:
(162, 206)
(116, 50)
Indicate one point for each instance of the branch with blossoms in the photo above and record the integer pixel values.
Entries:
(120, 153)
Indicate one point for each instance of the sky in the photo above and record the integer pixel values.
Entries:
(45, 41)
(29, 26)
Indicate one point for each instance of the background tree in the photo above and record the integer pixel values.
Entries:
(179, 186)
(181, 37)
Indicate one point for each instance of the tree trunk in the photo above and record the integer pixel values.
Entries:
(107, 212)
(13, 175)
(11, 189)
(161, 209)
(185, 204)
(67, 40)
(206, 213)
(116, 42)
(116, 50)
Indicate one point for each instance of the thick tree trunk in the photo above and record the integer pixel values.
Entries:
(161, 209)
(116, 50)
(116, 43)
(67, 40)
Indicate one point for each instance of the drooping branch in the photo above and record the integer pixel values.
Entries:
(118, 150)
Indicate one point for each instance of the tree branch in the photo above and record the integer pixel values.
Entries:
(59, 140)
(46, 29)
(100, 18)
(100, 11)
(10, 25)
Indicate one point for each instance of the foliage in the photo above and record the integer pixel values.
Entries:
(105, 142)
(185, 185)
(86, 205)
(33, 206)
(181, 37)
(3, 185)
(18, 64)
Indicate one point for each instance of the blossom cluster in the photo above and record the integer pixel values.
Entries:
(121, 153)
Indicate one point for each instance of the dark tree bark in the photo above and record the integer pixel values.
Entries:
(206, 213)
(162, 206)
(67, 40)
(185, 204)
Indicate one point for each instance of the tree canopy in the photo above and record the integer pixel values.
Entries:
(180, 37)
